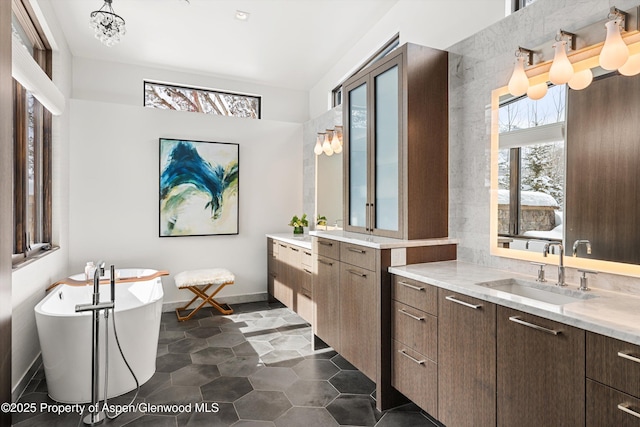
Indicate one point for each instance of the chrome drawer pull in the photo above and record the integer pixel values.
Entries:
(325, 243)
(466, 304)
(624, 407)
(531, 325)
(358, 251)
(321, 261)
(357, 273)
(417, 288)
(413, 359)
(628, 357)
(413, 316)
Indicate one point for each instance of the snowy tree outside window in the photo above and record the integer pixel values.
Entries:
(541, 169)
(157, 95)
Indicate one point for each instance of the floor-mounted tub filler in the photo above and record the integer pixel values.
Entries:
(66, 337)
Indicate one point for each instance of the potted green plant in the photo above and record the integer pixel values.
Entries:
(299, 223)
(322, 221)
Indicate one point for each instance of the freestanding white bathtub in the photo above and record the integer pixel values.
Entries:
(65, 336)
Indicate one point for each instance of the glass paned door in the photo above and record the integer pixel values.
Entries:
(387, 143)
(358, 156)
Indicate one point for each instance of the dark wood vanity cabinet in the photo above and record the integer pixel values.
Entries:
(326, 291)
(540, 371)
(466, 360)
(613, 382)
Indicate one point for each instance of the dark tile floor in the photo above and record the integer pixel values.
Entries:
(255, 367)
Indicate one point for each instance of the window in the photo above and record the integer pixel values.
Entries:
(519, 4)
(168, 97)
(531, 167)
(336, 94)
(32, 147)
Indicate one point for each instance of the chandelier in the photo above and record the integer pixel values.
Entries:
(107, 25)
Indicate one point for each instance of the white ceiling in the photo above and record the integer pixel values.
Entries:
(284, 43)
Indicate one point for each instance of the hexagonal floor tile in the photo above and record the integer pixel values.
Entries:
(212, 355)
(252, 348)
(175, 395)
(241, 366)
(220, 415)
(315, 369)
(404, 419)
(275, 379)
(308, 417)
(169, 337)
(203, 332)
(226, 389)
(289, 342)
(195, 375)
(354, 410)
(226, 339)
(352, 382)
(188, 345)
(343, 363)
(311, 393)
(172, 362)
(262, 405)
(282, 358)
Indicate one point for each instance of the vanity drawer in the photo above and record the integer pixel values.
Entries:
(307, 258)
(415, 376)
(415, 329)
(357, 255)
(416, 294)
(609, 407)
(613, 362)
(327, 247)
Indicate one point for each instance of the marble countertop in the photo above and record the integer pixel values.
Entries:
(377, 242)
(608, 313)
(303, 241)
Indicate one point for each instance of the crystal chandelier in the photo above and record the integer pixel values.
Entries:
(108, 26)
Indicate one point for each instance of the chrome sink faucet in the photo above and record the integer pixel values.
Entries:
(545, 252)
(577, 244)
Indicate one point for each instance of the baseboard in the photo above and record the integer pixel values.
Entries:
(26, 378)
(234, 299)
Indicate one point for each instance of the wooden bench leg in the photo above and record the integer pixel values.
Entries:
(206, 299)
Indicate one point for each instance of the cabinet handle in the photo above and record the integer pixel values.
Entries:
(356, 250)
(466, 304)
(531, 325)
(307, 271)
(628, 357)
(274, 275)
(357, 273)
(372, 218)
(325, 243)
(624, 407)
(284, 246)
(413, 316)
(413, 359)
(321, 261)
(294, 249)
(408, 285)
(307, 253)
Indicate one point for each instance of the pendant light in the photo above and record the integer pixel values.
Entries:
(561, 69)
(519, 82)
(326, 145)
(614, 51)
(336, 144)
(631, 67)
(538, 91)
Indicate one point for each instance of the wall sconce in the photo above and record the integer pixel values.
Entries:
(336, 141)
(631, 67)
(538, 91)
(319, 140)
(561, 69)
(614, 52)
(519, 82)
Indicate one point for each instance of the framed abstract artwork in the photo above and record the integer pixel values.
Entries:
(198, 187)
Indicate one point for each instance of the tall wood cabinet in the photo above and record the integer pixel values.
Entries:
(396, 146)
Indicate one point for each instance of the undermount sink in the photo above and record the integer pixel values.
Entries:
(536, 291)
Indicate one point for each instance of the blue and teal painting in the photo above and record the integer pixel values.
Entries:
(198, 188)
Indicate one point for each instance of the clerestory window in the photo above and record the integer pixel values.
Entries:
(207, 101)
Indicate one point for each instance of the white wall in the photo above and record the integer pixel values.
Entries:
(30, 281)
(433, 23)
(122, 84)
(114, 191)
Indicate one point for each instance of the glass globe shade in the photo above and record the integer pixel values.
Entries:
(519, 82)
(631, 67)
(326, 146)
(538, 91)
(335, 143)
(318, 148)
(561, 69)
(614, 52)
(581, 79)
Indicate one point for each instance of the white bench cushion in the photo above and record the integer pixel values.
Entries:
(216, 276)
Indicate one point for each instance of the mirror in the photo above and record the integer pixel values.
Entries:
(574, 168)
(329, 189)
